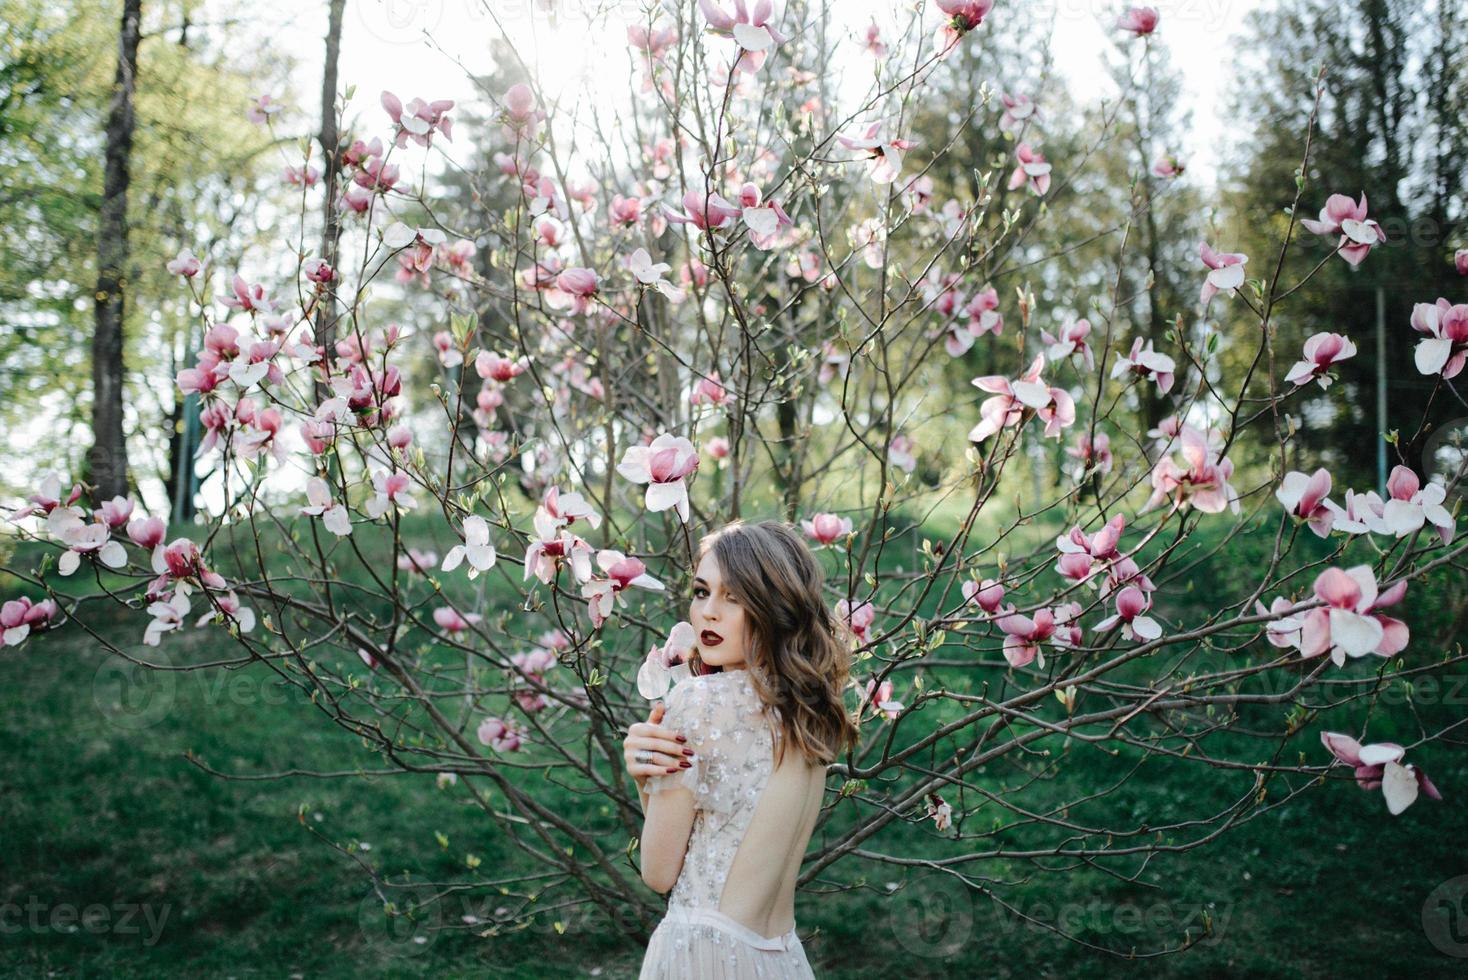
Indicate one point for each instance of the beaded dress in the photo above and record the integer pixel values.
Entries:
(733, 743)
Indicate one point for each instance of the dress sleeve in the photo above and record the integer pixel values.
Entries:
(689, 713)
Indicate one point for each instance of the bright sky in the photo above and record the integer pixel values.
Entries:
(427, 48)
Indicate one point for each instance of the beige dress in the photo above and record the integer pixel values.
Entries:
(733, 761)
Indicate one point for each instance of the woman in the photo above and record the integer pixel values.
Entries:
(732, 775)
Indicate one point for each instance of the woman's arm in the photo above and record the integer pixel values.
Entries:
(667, 822)
(665, 833)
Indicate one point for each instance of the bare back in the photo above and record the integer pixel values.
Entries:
(753, 820)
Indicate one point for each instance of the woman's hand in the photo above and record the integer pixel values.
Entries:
(662, 748)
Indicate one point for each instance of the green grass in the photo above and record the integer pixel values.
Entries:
(99, 811)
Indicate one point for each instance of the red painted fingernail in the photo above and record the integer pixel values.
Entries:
(685, 764)
(673, 769)
(687, 751)
(682, 738)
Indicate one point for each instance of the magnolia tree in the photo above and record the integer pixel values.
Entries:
(469, 540)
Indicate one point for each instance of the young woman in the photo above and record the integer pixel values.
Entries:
(731, 769)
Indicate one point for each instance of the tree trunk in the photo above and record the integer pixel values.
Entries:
(107, 461)
(331, 169)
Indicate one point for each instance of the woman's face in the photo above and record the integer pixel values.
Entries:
(715, 611)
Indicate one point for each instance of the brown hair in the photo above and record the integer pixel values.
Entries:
(799, 652)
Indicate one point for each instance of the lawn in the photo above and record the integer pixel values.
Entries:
(121, 858)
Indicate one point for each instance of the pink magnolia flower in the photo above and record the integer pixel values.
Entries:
(148, 533)
(500, 735)
(318, 271)
(625, 210)
(650, 273)
(392, 491)
(168, 615)
(89, 539)
(553, 545)
(1445, 350)
(419, 119)
(1018, 110)
(879, 698)
(520, 111)
(1072, 340)
(704, 211)
(453, 622)
(622, 573)
(476, 548)
(1052, 405)
(1304, 497)
(186, 264)
(750, 29)
(249, 297)
(858, 617)
(884, 157)
(1146, 364)
(963, 16)
(899, 452)
(302, 176)
(1023, 636)
(1225, 272)
(576, 287)
(710, 391)
(494, 366)
(230, 607)
(1379, 765)
(1168, 166)
(1131, 603)
(334, 516)
(666, 665)
(1410, 505)
(717, 447)
(989, 594)
(448, 354)
(941, 812)
(764, 219)
(417, 561)
(983, 314)
(19, 618)
(1348, 625)
(185, 563)
(663, 466)
(1201, 483)
(1032, 170)
(825, 528)
(1460, 261)
(115, 512)
(1140, 21)
(872, 42)
(568, 508)
(262, 109)
(1089, 453)
(1322, 352)
(1341, 216)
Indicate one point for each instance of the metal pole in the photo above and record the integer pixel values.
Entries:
(1381, 392)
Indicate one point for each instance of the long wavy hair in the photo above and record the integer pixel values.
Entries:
(798, 652)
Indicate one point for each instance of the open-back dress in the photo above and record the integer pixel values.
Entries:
(731, 913)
